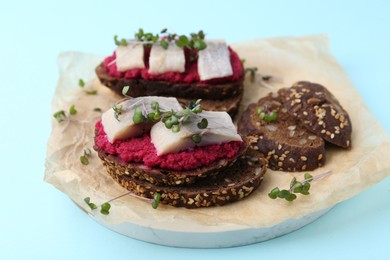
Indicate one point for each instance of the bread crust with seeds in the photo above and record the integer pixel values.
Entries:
(320, 112)
(216, 97)
(230, 184)
(286, 144)
(163, 176)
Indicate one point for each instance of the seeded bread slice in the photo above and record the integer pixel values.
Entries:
(231, 184)
(162, 176)
(286, 144)
(140, 87)
(320, 112)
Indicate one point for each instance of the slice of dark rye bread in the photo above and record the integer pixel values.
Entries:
(230, 184)
(140, 87)
(286, 143)
(215, 97)
(320, 112)
(160, 176)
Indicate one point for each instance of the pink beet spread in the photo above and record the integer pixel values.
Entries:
(189, 76)
(142, 150)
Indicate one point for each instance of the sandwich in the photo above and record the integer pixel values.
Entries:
(190, 157)
(171, 65)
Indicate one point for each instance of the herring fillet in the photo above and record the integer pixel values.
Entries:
(214, 61)
(166, 60)
(125, 127)
(130, 57)
(220, 129)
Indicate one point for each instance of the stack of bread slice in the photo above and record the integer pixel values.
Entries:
(227, 178)
(306, 117)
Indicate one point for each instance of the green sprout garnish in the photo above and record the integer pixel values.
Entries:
(60, 116)
(195, 41)
(97, 109)
(266, 115)
(296, 187)
(90, 204)
(164, 44)
(84, 158)
(156, 200)
(91, 92)
(105, 208)
(171, 120)
(121, 42)
(203, 124)
(118, 111)
(252, 72)
(72, 110)
(138, 117)
(81, 83)
(125, 89)
(196, 138)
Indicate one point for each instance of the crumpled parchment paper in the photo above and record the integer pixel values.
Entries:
(287, 59)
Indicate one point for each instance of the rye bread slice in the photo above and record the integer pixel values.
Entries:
(286, 143)
(231, 184)
(320, 112)
(160, 176)
(228, 105)
(140, 87)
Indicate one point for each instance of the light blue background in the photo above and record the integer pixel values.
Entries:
(39, 222)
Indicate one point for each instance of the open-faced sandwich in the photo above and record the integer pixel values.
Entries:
(190, 157)
(290, 127)
(171, 65)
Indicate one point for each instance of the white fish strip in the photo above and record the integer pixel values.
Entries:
(220, 129)
(214, 61)
(125, 127)
(130, 57)
(166, 60)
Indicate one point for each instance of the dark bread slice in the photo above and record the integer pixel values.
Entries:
(140, 87)
(229, 105)
(320, 112)
(163, 176)
(231, 184)
(286, 144)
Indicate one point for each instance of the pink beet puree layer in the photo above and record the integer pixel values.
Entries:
(189, 76)
(141, 150)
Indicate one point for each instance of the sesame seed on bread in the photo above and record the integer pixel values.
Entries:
(285, 142)
(320, 112)
(229, 185)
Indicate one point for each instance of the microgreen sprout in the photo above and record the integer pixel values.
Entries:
(252, 73)
(72, 110)
(195, 41)
(118, 111)
(84, 158)
(60, 116)
(203, 123)
(138, 117)
(81, 83)
(266, 115)
(296, 187)
(106, 206)
(256, 77)
(156, 200)
(91, 92)
(90, 204)
(125, 89)
(97, 109)
(196, 138)
(121, 42)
